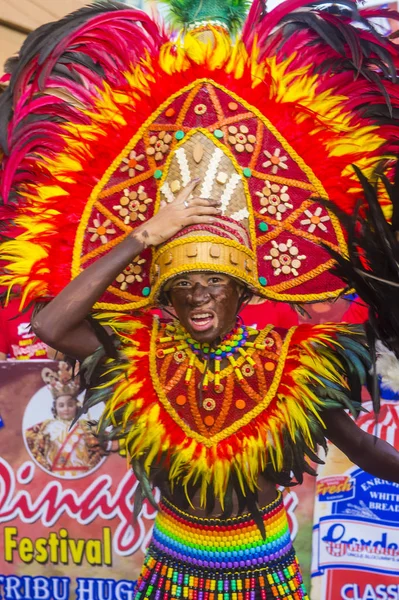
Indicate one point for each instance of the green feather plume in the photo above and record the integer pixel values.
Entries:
(186, 13)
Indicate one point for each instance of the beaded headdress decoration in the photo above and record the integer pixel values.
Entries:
(108, 116)
(61, 382)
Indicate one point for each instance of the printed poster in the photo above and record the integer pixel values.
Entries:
(66, 525)
(356, 531)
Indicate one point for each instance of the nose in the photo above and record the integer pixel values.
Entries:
(199, 295)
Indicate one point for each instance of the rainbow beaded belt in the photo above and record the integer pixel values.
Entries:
(220, 559)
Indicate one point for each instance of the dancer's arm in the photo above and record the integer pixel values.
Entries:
(61, 324)
(368, 452)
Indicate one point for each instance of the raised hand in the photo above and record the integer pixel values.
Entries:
(173, 217)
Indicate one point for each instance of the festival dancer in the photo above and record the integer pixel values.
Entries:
(191, 173)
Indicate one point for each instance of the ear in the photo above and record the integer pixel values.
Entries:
(164, 299)
(246, 294)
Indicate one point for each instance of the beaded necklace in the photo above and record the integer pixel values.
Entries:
(234, 344)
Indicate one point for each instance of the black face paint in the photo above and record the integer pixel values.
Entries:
(206, 304)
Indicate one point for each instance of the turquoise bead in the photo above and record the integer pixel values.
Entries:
(263, 226)
(263, 281)
(157, 174)
(218, 133)
(247, 172)
(179, 135)
(146, 291)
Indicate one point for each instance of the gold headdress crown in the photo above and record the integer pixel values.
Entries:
(225, 246)
(61, 382)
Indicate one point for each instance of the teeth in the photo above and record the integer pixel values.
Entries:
(202, 316)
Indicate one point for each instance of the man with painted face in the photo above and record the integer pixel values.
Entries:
(184, 172)
(207, 304)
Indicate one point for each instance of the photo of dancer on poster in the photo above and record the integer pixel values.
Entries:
(66, 448)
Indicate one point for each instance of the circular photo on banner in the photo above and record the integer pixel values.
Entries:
(59, 446)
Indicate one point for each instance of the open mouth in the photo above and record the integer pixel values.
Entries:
(201, 321)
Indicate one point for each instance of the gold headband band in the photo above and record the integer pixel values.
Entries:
(204, 253)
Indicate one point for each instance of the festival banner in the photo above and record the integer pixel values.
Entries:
(356, 531)
(66, 525)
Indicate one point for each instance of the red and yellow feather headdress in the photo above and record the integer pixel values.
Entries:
(106, 115)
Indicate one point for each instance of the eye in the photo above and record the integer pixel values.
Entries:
(182, 283)
(215, 280)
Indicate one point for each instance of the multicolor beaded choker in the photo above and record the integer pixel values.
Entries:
(184, 347)
(230, 344)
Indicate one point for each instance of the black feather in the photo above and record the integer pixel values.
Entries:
(252, 502)
(138, 502)
(228, 500)
(143, 479)
(210, 500)
(372, 267)
(325, 31)
(103, 337)
(375, 388)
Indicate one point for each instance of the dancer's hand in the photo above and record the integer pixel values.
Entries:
(173, 217)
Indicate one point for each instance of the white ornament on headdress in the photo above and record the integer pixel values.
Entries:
(229, 191)
(285, 258)
(167, 192)
(210, 177)
(100, 230)
(314, 220)
(184, 166)
(240, 215)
